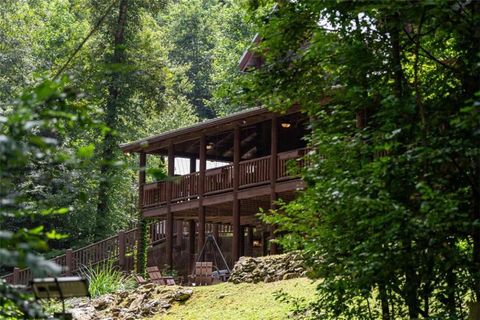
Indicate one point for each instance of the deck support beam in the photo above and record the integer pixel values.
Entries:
(191, 244)
(264, 240)
(249, 241)
(215, 231)
(236, 203)
(201, 228)
(201, 191)
(179, 232)
(273, 177)
(242, 241)
(273, 246)
(169, 231)
(142, 164)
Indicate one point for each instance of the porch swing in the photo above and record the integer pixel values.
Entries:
(206, 272)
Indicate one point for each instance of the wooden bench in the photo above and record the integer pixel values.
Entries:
(155, 276)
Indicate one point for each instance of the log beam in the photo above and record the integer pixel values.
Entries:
(142, 164)
(236, 203)
(169, 231)
(191, 244)
(201, 192)
(273, 177)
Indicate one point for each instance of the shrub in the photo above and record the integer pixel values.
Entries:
(169, 271)
(106, 278)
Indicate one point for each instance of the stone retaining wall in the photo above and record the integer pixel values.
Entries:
(268, 269)
(145, 301)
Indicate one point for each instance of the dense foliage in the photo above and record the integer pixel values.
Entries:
(204, 40)
(30, 146)
(126, 60)
(135, 76)
(390, 218)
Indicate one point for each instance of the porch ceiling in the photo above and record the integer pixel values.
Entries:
(218, 132)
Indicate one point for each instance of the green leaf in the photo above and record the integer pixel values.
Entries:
(55, 236)
(86, 152)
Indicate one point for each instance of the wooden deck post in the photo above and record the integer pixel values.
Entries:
(121, 250)
(273, 246)
(242, 241)
(201, 191)
(249, 248)
(215, 231)
(264, 240)
(274, 152)
(193, 168)
(16, 275)
(191, 244)
(236, 203)
(179, 231)
(193, 164)
(141, 182)
(273, 177)
(69, 262)
(169, 231)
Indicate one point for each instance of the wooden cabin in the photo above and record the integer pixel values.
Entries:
(236, 165)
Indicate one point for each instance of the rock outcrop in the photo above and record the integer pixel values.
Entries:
(268, 269)
(142, 302)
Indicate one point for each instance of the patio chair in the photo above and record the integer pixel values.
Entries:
(155, 276)
(203, 273)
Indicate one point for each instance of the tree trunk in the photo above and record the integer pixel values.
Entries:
(384, 301)
(396, 57)
(450, 303)
(411, 295)
(114, 101)
(476, 244)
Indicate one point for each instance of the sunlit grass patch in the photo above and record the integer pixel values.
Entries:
(243, 301)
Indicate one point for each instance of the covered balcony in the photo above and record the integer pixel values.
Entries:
(222, 171)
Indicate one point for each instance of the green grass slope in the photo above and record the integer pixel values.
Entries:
(241, 301)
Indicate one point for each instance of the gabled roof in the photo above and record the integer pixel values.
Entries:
(249, 58)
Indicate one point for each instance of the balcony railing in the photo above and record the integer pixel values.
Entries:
(252, 172)
(186, 187)
(219, 179)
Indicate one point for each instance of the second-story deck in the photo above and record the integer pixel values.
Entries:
(218, 183)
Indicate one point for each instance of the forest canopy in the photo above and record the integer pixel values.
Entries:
(77, 78)
(166, 70)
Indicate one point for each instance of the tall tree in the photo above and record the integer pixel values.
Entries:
(205, 39)
(391, 204)
(115, 102)
(145, 92)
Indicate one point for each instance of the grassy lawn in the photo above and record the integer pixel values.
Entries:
(241, 301)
